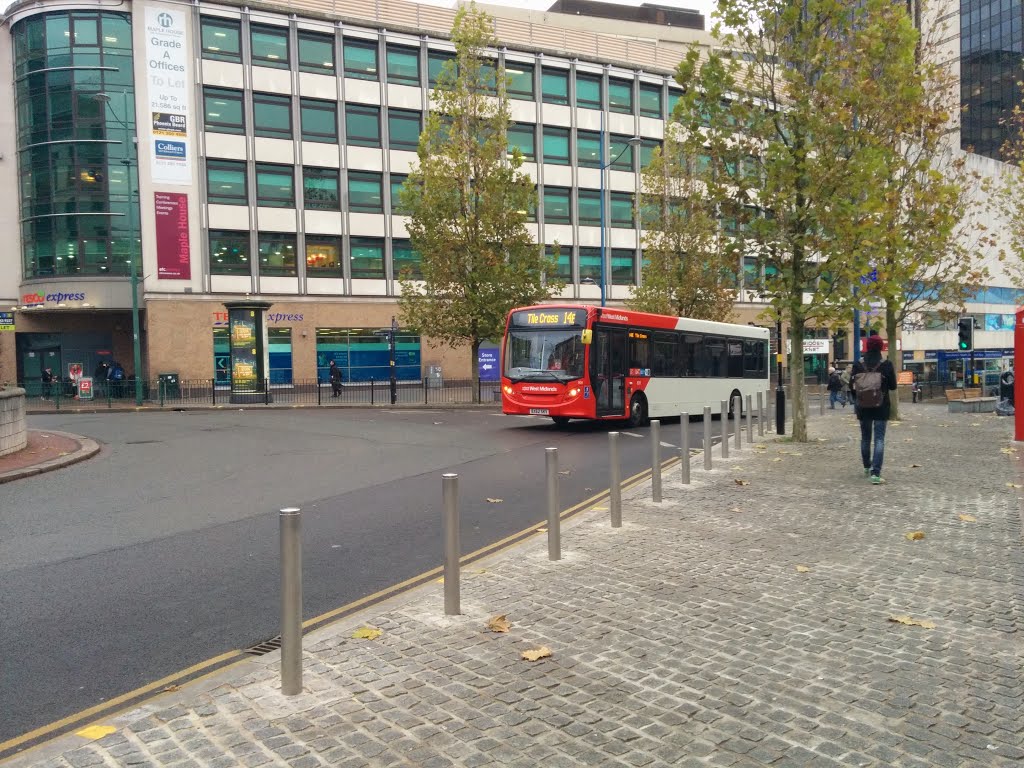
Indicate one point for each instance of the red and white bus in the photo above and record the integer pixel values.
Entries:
(585, 362)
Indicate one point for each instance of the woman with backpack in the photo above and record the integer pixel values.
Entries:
(871, 381)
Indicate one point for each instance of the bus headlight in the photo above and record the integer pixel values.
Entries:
(508, 389)
(573, 392)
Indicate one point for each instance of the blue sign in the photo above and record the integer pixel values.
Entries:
(870, 277)
(175, 149)
(489, 364)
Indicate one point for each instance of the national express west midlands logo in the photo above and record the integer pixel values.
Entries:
(165, 20)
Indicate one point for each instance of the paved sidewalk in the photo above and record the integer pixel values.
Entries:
(45, 451)
(745, 621)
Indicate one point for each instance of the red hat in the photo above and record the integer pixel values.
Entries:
(874, 344)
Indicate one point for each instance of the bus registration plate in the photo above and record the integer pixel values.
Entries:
(539, 411)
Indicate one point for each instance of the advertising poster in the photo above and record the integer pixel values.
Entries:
(245, 368)
(167, 82)
(173, 253)
(6, 321)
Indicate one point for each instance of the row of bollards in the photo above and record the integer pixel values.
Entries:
(290, 519)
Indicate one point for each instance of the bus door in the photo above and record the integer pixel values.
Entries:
(608, 370)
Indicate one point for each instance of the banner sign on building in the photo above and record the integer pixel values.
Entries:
(173, 254)
(167, 83)
(6, 321)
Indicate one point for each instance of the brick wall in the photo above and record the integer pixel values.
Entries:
(13, 433)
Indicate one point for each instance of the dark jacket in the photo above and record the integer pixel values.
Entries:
(835, 382)
(873, 360)
(335, 373)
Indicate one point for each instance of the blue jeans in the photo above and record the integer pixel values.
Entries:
(866, 426)
(832, 397)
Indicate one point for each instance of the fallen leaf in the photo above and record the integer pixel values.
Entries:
(534, 654)
(1009, 450)
(564, 471)
(976, 424)
(63, 453)
(742, 482)
(895, 423)
(969, 518)
(777, 459)
(908, 439)
(170, 689)
(542, 530)
(367, 633)
(494, 501)
(737, 469)
(736, 509)
(1014, 485)
(914, 535)
(908, 621)
(915, 466)
(499, 623)
(802, 569)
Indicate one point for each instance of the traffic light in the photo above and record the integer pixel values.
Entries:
(965, 333)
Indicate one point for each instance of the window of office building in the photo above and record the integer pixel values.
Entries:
(270, 47)
(590, 265)
(556, 205)
(319, 120)
(751, 273)
(554, 85)
(396, 181)
(563, 261)
(221, 39)
(406, 260)
(649, 101)
(272, 116)
(275, 186)
(620, 95)
(224, 111)
(362, 125)
(520, 80)
(435, 64)
(364, 192)
(647, 147)
(623, 264)
(320, 190)
(621, 210)
(277, 254)
(588, 90)
(621, 153)
(367, 257)
(361, 59)
(403, 65)
(316, 53)
(225, 182)
(589, 208)
(524, 137)
(556, 145)
(229, 252)
(588, 149)
(403, 128)
(323, 256)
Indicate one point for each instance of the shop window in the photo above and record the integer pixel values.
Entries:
(277, 254)
(364, 355)
(225, 182)
(364, 192)
(590, 265)
(524, 137)
(620, 96)
(520, 80)
(316, 53)
(556, 145)
(404, 129)
(270, 47)
(272, 116)
(221, 357)
(403, 65)
(319, 121)
(367, 257)
(589, 208)
(362, 125)
(435, 64)
(275, 186)
(397, 181)
(220, 39)
(623, 264)
(621, 210)
(279, 352)
(320, 189)
(649, 100)
(556, 205)
(554, 85)
(406, 261)
(588, 90)
(224, 111)
(323, 256)
(563, 261)
(361, 59)
(229, 253)
(588, 149)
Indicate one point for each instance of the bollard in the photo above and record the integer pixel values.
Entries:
(821, 400)
(450, 524)
(554, 534)
(750, 420)
(760, 414)
(684, 447)
(707, 438)
(725, 430)
(290, 519)
(737, 409)
(614, 489)
(655, 460)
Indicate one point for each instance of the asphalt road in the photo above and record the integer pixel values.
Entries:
(162, 551)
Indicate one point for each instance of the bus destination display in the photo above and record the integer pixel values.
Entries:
(537, 318)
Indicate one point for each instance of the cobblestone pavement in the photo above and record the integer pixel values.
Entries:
(744, 621)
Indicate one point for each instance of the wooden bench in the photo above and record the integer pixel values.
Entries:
(969, 400)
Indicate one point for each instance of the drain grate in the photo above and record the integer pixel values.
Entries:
(273, 644)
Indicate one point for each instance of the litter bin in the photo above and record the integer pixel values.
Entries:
(169, 384)
(434, 380)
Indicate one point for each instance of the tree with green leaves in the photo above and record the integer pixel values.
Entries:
(788, 109)
(689, 270)
(467, 200)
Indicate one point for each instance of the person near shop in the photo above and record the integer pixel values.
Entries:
(335, 375)
(835, 389)
(99, 377)
(1006, 386)
(47, 379)
(871, 381)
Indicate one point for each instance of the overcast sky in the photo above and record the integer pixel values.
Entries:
(704, 6)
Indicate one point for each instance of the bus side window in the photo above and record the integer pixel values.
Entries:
(715, 359)
(693, 353)
(735, 347)
(664, 362)
(639, 353)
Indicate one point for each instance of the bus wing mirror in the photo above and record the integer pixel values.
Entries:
(586, 336)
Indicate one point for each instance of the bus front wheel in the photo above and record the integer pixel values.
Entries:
(637, 411)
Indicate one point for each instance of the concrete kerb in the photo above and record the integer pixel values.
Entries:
(87, 448)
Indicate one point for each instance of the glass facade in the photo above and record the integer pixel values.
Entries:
(77, 164)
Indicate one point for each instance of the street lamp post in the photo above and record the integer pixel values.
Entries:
(631, 142)
(104, 98)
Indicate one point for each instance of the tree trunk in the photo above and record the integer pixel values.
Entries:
(475, 368)
(798, 395)
(896, 358)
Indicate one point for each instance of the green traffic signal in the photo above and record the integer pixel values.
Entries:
(965, 332)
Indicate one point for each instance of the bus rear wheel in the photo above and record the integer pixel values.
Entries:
(637, 411)
(560, 421)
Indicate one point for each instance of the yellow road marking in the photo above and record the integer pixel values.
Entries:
(94, 732)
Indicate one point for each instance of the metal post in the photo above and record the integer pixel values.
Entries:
(614, 481)
(373, 390)
(750, 420)
(655, 460)
(450, 525)
(737, 410)
(393, 378)
(266, 391)
(821, 400)
(424, 390)
(707, 438)
(291, 600)
(760, 414)
(554, 532)
(725, 430)
(319, 394)
(213, 391)
(780, 392)
(603, 166)
(684, 447)
(160, 386)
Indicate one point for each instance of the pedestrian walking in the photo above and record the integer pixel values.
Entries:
(47, 379)
(871, 381)
(835, 389)
(335, 375)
